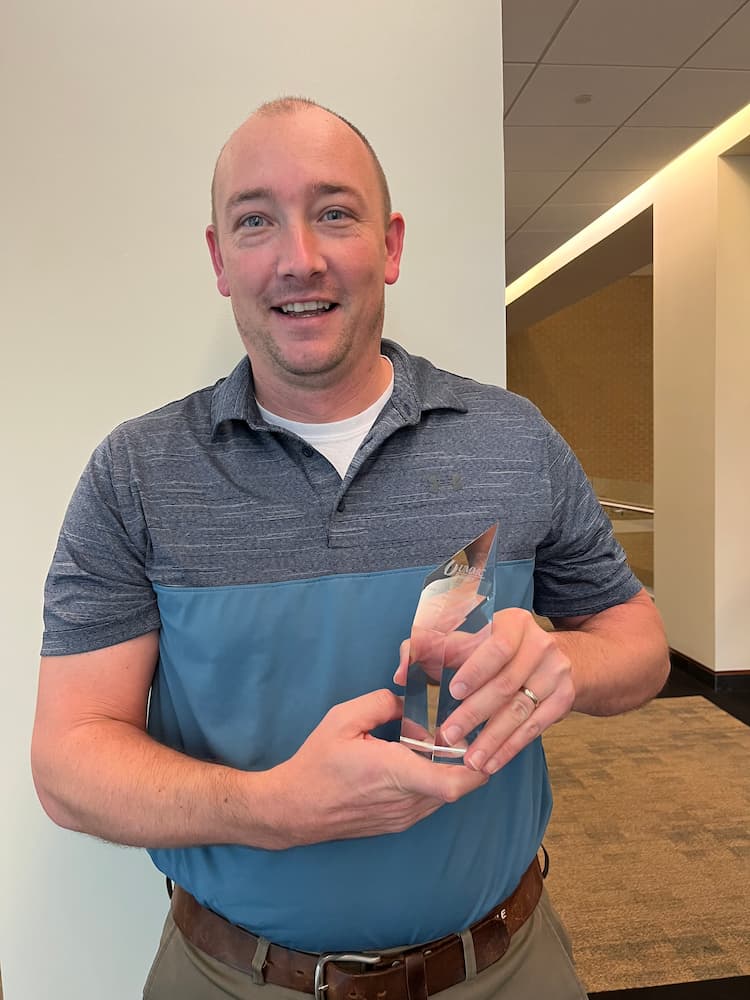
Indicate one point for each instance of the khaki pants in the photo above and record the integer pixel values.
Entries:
(538, 965)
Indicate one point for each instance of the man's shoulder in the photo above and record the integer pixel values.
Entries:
(433, 382)
(190, 414)
(193, 416)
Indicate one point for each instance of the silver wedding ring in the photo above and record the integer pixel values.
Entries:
(530, 695)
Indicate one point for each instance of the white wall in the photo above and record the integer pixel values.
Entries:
(684, 391)
(733, 413)
(702, 406)
(112, 116)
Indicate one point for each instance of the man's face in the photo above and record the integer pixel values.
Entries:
(302, 248)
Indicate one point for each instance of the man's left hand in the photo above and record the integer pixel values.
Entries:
(517, 656)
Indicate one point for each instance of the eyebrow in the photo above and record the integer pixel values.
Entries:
(252, 194)
(318, 190)
(333, 189)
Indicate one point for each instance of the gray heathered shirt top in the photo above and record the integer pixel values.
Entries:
(203, 493)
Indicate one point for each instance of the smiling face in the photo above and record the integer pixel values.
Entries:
(302, 248)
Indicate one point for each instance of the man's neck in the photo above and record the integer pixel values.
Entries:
(320, 404)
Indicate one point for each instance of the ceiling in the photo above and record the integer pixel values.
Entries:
(599, 95)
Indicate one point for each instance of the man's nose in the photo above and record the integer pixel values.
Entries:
(300, 254)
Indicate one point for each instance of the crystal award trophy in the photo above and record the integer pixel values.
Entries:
(453, 617)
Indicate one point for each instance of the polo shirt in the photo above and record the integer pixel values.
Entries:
(280, 589)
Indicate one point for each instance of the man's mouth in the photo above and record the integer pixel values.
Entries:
(314, 308)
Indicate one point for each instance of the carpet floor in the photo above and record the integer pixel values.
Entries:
(650, 847)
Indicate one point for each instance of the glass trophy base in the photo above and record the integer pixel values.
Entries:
(431, 750)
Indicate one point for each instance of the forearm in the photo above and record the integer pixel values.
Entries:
(619, 658)
(110, 779)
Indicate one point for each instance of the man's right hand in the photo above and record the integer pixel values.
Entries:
(343, 782)
(98, 771)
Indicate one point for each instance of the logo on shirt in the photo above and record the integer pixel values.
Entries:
(445, 484)
(453, 568)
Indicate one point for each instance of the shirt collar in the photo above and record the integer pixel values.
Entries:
(417, 387)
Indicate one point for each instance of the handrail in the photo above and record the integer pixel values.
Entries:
(625, 506)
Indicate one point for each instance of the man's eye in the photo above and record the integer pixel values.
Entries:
(334, 215)
(252, 221)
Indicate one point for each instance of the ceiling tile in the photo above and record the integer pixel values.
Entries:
(563, 218)
(697, 97)
(514, 268)
(527, 27)
(567, 162)
(514, 77)
(532, 187)
(637, 32)
(557, 147)
(516, 215)
(614, 93)
(589, 187)
(526, 249)
(643, 148)
(730, 47)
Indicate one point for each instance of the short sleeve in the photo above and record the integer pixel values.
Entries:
(97, 592)
(581, 568)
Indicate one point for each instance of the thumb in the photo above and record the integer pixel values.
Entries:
(360, 715)
(403, 663)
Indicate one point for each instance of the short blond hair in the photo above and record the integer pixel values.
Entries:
(290, 105)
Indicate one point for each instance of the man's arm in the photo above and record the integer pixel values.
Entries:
(98, 771)
(619, 657)
(600, 664)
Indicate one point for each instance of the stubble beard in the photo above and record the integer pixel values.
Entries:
(260, 343)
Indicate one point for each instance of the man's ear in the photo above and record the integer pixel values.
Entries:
(394, 245)
(212, 238)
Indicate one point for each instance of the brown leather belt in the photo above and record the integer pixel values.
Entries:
(407, 975)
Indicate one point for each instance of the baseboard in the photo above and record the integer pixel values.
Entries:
(725, 680)
(734, 988)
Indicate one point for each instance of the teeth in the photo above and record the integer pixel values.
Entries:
(300, 307)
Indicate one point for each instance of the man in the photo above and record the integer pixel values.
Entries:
(240, 568)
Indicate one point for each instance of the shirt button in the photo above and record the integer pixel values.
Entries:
(307, 451)
(340, 506)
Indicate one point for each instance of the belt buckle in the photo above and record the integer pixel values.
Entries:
(320, 966)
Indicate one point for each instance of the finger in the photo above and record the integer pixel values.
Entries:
(519, 721)
(412, 730)
(444, 782)
(403, 664)
(552, 684)
(499, 647)
(501, 742)
(435, 651)
(361, 715)
(536, 653)
(460, 645)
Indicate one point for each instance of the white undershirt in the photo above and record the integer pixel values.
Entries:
(339, 439)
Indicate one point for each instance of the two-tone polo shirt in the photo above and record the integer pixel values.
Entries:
(280, 590)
